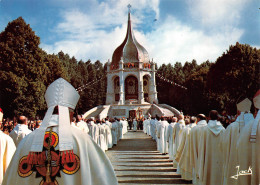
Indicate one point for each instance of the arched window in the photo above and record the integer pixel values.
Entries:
(146, 88)
(116, 88)
(131, 88)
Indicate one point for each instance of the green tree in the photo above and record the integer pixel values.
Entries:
(195, 98)
(21, 72)
(235, 74)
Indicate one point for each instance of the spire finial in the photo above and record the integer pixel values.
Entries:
(129, 8)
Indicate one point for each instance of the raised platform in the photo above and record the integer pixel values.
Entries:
(121, 111)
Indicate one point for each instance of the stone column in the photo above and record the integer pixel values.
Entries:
(110, 91)
(153, 92)
(141, 88)
(121, 83)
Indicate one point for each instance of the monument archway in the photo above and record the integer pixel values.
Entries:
(146, 87)
(131, 88)
(116, 88)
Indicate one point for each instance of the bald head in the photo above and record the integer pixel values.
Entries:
(174, 119)
(180, 117)
(201, 117)
(22, 120)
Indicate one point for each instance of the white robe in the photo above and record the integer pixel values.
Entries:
(7, 149)
(210, 158)
(148, 127)
(152, 122)
(229, 149)
(170, 140)
(248, 154)
(177, 132)
(102, 136)
(114, 132)
(94, 166)
(195, 134)
(162, 134)
(109, 134)
(82, 125)
(91, 126)
(120, 129)
(157, 124)
(183, 153)
(94, 131)
(125, 125)
(19, 132)
(135, 125)
(145, 126)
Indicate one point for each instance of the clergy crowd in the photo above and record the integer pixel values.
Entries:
(105, 132)
(205, 152)
(59, 149)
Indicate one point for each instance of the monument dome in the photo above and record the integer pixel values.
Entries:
(131, 83)
(130, 51)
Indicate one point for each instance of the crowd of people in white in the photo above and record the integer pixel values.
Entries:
(105, 132)
(205, 152)
(200, 147)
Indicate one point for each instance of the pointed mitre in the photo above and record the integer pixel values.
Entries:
(244, 106)
(256, 101)
(62, 94)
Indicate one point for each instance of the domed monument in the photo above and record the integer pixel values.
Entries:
(131, 86)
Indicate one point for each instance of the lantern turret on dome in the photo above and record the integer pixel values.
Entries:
(130, 52)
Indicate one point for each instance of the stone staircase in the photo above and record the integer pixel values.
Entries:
(136, 161)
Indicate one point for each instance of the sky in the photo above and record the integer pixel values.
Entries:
(170, 30)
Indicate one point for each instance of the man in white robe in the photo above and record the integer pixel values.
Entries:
(148, 127)
(81, 124)
(169, 137)
(125, 125)
(177, 133)
(7, 149)
(248, 148)
(162, 135)
(145, 126)
(135, 125)
(157, 125)
(152, 123)
(102, 136)
(229, 142)
(57, 153)
(93, 130)
(183, 151)
(210, 158)
(20, 130)
(120, 129)
(114, 130)
(91, 126)
(195, 134)
(109, 133)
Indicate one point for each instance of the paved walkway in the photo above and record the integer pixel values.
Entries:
(136, 161)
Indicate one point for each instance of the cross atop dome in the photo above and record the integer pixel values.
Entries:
(130, 52)
(129, 7)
